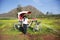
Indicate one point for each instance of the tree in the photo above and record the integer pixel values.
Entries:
(47, 13)
(19, 8)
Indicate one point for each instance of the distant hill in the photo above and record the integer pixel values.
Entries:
(13, 13)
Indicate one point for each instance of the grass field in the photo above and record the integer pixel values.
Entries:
(49, 26)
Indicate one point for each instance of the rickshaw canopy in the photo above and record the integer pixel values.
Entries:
(21, 14)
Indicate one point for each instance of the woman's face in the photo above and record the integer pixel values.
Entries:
(24, 17)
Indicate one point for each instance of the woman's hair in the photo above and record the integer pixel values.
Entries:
(24, 16)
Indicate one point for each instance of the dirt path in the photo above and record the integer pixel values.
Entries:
(28, 37)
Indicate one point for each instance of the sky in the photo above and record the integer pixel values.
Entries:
(42, 5)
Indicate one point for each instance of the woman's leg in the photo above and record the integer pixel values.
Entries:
(25, 28)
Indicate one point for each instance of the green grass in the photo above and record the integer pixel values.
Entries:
(7, 26)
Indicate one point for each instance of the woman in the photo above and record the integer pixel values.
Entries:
(25, 24)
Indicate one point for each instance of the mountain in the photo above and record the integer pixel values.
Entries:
(13, 13)
(34, 12)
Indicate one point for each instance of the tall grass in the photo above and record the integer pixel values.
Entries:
(7, 26)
